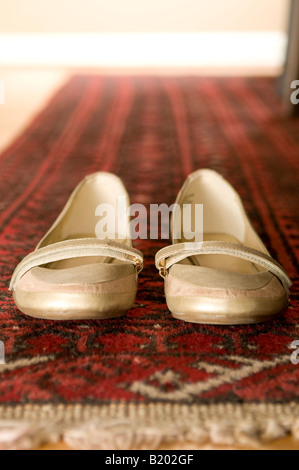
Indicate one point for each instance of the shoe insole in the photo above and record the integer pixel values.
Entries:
(223, 262)
(75, 262)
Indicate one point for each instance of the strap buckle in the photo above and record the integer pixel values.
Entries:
(139, 265)
(162, 268)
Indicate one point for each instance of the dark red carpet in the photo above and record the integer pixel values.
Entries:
(152, 132)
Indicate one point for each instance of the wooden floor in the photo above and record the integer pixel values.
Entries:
(283, 444)
(27, 91)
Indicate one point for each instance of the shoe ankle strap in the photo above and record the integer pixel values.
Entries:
(77, 249)
(173, 254)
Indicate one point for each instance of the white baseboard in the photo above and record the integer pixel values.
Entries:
(203, 50)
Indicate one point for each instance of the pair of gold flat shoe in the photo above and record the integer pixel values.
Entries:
(229, 278)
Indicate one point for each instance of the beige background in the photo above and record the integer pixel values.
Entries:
(71, 16)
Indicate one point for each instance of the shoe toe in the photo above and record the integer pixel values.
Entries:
(206, 295)
(196, 280)
(95, 279)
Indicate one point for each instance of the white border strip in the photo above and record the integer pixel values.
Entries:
(252, 49)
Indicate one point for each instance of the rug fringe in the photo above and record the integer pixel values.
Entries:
(127, 427)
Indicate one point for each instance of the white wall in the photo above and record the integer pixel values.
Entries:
(73, 16)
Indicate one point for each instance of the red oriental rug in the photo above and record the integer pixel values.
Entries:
(147, 378)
